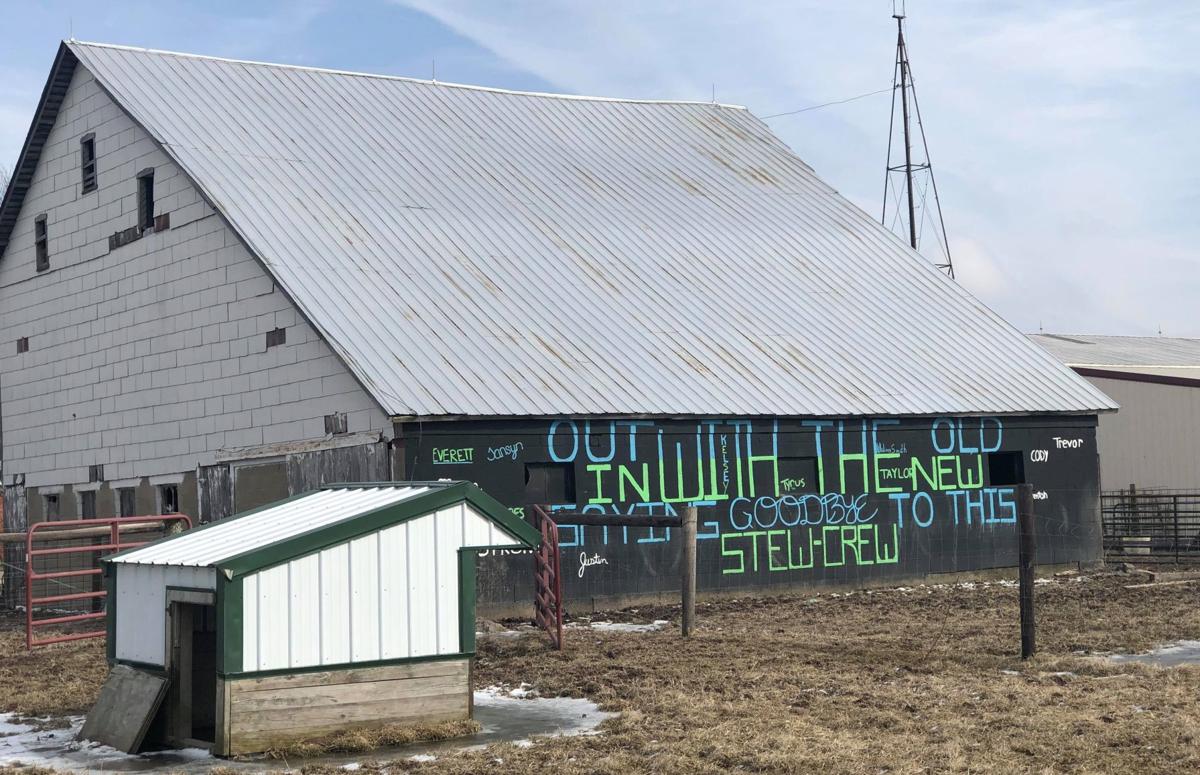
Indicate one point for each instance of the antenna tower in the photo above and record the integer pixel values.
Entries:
(911, 213)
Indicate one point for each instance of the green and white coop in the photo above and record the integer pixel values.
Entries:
(348, 606)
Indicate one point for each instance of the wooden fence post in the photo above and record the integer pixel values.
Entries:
(688, 569)
(1027, 558)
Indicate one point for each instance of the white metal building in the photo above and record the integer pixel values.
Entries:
(1153, 443)
(377, 578)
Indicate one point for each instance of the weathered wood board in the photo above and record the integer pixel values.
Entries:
(265, 712)
(126, 706)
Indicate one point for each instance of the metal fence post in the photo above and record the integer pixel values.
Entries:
(1175, 513)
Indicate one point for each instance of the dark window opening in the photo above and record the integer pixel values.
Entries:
(52, 507)
(41, 243)
(87, 162)
(146, 200)
(126, 502)
(23, 345)
(335, 423)
(87, 504)
(797, 474)
(96, 472)
(1006, 468)
(168, 499)
(550, 483)
(276, 337)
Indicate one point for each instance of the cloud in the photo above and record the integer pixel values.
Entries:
(1062, 133)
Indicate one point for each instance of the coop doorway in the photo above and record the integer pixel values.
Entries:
(192, 701)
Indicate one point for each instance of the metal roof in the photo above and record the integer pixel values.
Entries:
(1153, 354)
(304, 523)
(218, 541)
(472, 251)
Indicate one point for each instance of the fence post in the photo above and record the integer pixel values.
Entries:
(1027, 556)
(688, 568)
(1175, 514)
(1134, 524)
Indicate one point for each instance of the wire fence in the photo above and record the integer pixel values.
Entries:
(1151, 525)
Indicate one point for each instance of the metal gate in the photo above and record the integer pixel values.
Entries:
(1151, 525)
(60, 531)
(547, 600)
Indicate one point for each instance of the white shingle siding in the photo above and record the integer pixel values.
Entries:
(151, 357)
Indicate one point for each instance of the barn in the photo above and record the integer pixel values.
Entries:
(226, 282)
(352, 605)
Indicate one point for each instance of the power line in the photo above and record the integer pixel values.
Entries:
(827, 104)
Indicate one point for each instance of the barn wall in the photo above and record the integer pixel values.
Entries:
(147, 357)
(141, 627)
(782, 502)
(388, 595)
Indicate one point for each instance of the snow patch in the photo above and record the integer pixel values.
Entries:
(657, 624)
(1182, 652)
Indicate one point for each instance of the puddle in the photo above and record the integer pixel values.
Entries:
(58, 749)
(506, 716)
(1184, 652)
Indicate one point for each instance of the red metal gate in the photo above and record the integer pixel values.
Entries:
(547, 601)
(75, 530)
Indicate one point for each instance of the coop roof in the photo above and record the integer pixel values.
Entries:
(317, 519)
(472, 251)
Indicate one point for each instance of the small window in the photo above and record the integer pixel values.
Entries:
(550, 483)
(1005, 468)
(276, 337)
(42, 243)
(146, 199)
(52, 507)
(168, 499)
(798, 474)
(96, 472)
(87, 504)
(23, 345)
(335, 423)
(126, 502)
(87, 162)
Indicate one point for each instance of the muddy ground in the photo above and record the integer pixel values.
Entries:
(923, 679)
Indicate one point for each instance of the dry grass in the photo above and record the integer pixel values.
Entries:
(918, 681)
(373, 738)
(894, 681)
(51, 680)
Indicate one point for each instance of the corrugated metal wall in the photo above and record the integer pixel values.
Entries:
(392, 594)
(142, 607)
(1154, 440)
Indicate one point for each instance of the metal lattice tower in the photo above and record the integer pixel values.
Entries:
(912, 213)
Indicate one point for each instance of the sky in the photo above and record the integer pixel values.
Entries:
(1063, 134)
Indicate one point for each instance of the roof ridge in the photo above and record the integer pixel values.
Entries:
(408, 79)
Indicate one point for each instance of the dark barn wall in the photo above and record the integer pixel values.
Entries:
(789, 502)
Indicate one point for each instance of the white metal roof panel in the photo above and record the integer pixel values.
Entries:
(218, 541)
(470, 251)
(1153, 353)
